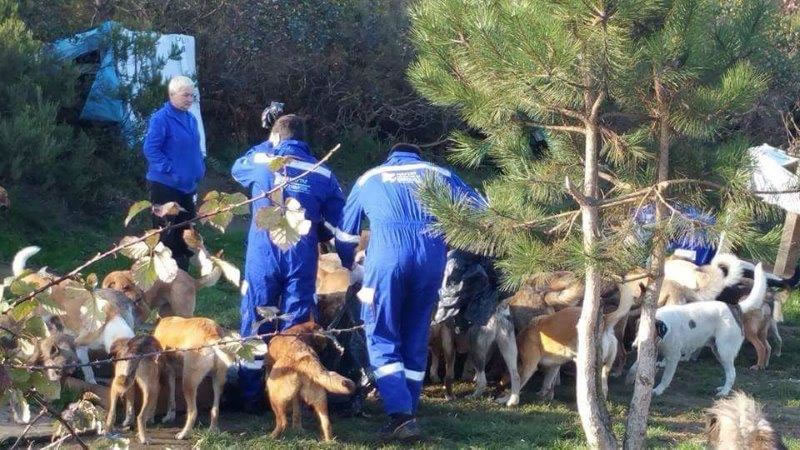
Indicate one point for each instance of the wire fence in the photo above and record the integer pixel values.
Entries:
(330, 334)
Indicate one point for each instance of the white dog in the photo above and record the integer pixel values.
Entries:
(683, 329)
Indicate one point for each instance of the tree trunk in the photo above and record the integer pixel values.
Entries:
(591, 404)
(639, 410)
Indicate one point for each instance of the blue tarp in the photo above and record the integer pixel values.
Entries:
(104, 102)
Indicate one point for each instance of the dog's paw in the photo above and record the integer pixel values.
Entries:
(546, 394)
(756, 367)
(182, 435)
(661, 364)
(144, 441)
(722, 391)
(513, 400)
(658, 391)
(436, 379)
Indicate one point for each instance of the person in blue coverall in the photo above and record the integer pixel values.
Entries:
(402, 275)
(274, 277)
(174, 163)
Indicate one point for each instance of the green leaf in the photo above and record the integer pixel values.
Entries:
(277, 163)
(91, 281)
(236, 198)
(134, 251)
(19, 377)
(152, 240)
(51, 390)
(144, 273)
(268, 217)
(49, 305)
(136, 209)
(246, 353)
(24, 309)
(20, 288)
(36, 327)
(221, 221)
(213, 195)
(168, 209)
(165, 266)
(230, 271)
(208, 207)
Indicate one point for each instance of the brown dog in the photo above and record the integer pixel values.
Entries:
(191, 333)
(552, 340)
(297, 373)
(144, 371)
(177, 298)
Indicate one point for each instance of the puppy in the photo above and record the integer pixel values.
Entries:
(689, 327)
(71, 297)
(176, 298)
(553, 340)
(144, 371)
(176, 333)
(738, 423)
(296, 373)
(707, 281)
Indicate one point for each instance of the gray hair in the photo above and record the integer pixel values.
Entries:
(180, 82)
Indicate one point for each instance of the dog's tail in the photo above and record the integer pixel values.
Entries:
(628, 292)
(331, 381)
(755, 299)
(730, 265)
(739, 422)
(21, 259)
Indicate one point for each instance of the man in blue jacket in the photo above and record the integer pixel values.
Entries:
(274, 277)
(402, 275)
(174, 163)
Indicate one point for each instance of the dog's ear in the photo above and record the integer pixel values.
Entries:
(661, 329)
(642, 288)
(117, 349)
(712, 431)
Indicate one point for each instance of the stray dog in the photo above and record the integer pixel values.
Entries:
(552, 340)
(89, 335)
(757, 324)
(179, 333)
(131, 368)
(738, 423)
(706, 281)
(177, 298)
(54, 351)
(296, 373)
(687, 328)
(442, 342)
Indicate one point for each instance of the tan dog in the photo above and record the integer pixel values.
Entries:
(190, 333)
(176, 298)
(553, 340)
(296, 374)
(144, 372)
(738, 423)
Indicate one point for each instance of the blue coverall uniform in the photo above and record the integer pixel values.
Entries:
(692, 244)
(273, 277)
(403, 271)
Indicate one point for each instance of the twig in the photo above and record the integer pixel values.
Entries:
(28, 428)
(58, 417)
(116, 249)
(179, 350)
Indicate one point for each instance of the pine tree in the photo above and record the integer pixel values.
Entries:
(621, 89)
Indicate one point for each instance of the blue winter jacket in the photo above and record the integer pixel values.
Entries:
(172, 149)
(387, 195)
